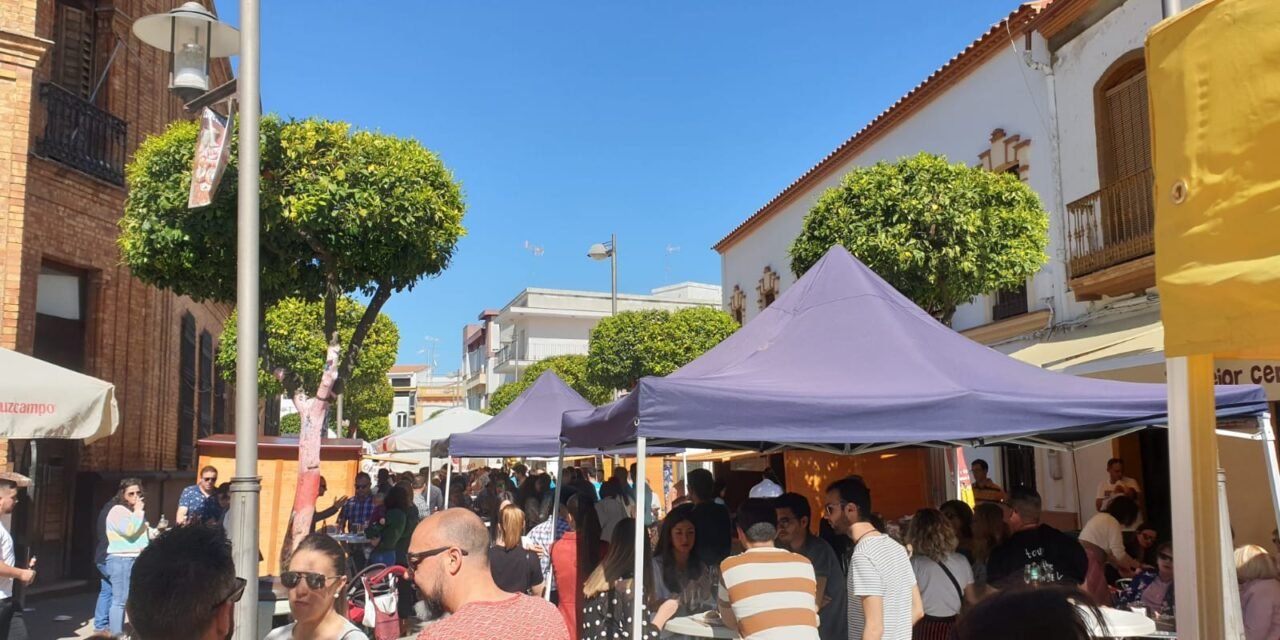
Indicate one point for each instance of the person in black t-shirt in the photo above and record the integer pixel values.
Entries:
(514, 568)
(710, 520)
(1058, 557)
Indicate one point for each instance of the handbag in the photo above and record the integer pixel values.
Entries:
(381, 608)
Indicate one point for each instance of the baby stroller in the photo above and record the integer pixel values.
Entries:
(373, 599)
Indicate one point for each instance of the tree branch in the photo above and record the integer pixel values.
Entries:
(380, 297)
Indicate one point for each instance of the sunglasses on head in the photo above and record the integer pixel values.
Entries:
(236, 593)
(290, 579)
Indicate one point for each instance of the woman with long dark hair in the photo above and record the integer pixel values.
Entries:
(127, 535)
(944, 576)
(989, 530)
(536, 498)
(317, 583)
(608, 593)
(681, 573)
(573, 554)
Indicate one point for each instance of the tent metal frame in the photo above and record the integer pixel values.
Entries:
(1265, 434)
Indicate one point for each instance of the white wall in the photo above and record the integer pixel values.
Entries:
(1077, 67)
(1001, 94)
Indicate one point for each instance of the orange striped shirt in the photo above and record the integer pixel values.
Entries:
(772, 593)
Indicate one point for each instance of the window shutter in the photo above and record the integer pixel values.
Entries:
(206, 385)
(73, 52)
(187, 393)
(1128, 132)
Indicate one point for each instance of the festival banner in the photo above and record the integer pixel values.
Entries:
(213, 148)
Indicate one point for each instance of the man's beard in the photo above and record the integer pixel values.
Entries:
(434, 601)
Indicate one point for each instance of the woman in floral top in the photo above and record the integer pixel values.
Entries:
(1153, 589)
(608, 604)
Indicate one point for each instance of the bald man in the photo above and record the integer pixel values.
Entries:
(449, 558)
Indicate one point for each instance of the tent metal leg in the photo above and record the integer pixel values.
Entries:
(448, 481)
(555, 513)
(1268, 435)
(684, 471)
(1232, 615)
(637, 611)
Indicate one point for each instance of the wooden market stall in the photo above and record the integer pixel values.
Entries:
(278, 467)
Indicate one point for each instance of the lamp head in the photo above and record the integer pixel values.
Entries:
(193, 36)
(599, 251)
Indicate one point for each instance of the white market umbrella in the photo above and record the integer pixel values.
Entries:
(42, 400)
(414, 443)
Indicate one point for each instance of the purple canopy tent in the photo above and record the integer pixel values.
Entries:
(842, 362)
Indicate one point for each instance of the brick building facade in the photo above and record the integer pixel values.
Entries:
(78, 93)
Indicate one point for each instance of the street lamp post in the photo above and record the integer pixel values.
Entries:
(194, 35)
(602, 250)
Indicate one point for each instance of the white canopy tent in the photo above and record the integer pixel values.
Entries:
(410, 448)
(42, 400)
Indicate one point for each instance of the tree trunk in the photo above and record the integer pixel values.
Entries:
(313, 413)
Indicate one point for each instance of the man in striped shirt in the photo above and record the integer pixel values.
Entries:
(767, 593)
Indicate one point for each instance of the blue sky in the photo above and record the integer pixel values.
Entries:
(665, 122)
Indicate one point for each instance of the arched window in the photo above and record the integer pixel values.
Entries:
(1124, 151)
(767, 288)
(738, 304)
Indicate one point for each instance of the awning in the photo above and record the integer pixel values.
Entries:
(1064, 346)
(42, 400)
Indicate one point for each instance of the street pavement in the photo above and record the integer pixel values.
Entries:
(61, 617)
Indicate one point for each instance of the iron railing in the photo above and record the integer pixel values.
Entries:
(1009, 303)
(1112, 225)
(532, 352)
(82, 136)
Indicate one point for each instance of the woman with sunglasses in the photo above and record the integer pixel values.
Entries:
(127, 535)
(1153, 588)
(317, 593)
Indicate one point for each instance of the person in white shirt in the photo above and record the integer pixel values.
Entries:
(1117, 484)
(768, 487)
(1103, 541)
(11, 622)
(944, 577)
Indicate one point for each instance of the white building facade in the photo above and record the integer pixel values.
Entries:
(541, 323)
(1056, 93)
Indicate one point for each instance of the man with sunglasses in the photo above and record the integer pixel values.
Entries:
(449, 560)
(359, 509)
(195, 603)
(199, 501)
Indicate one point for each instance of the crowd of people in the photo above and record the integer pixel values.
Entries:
(501, 559)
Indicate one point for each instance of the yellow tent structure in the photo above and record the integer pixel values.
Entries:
(1213, 76)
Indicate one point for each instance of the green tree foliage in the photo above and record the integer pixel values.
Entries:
(297, 343)
(572, 369)
(342, 212)
(635, 344)
(940, 233)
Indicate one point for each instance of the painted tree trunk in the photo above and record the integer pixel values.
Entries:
(313, 412)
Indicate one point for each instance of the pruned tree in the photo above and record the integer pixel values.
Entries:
(296, 343)
(635, 344)
(343, 212)
(572, 369)
(940, 233)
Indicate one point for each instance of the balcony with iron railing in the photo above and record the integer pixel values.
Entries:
(1110, 228)
(515, 354)
(81, 135)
